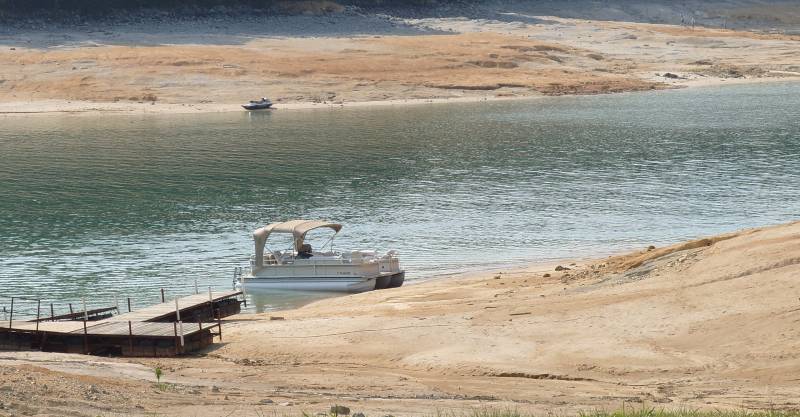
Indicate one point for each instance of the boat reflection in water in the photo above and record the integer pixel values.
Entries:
(260, 300)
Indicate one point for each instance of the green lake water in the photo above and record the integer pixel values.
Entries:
(121, 206)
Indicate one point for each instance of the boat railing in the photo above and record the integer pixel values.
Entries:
(390, 259)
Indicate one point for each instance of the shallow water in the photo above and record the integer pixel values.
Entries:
(124, 205)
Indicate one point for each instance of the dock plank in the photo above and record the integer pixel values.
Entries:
(52, 326)
(161, 310)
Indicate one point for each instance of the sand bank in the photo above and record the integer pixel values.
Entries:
(704, 324)
(152, 69)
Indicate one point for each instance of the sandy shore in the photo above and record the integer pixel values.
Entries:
(350, 59)
(705, 324)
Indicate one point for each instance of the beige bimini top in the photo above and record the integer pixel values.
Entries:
(298, 228)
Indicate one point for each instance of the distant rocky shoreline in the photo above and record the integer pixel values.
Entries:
(777, 16)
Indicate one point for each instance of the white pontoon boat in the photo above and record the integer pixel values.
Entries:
(302, 268)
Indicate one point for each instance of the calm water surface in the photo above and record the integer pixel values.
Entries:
(124, 205)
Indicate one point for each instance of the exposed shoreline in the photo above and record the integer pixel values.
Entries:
(352, 59)
(56, 107)
(669, 327)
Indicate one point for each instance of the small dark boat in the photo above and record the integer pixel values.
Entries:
(264, 103)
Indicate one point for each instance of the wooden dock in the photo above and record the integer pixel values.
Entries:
(184, 325)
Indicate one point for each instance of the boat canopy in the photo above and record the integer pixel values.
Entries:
(298, 228)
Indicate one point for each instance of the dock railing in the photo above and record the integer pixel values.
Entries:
(40, 320)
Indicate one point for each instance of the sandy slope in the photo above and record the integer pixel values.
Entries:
(709, 323)
(155, 68)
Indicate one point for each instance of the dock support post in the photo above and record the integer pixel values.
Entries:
(130, 336)
(70, 309)
(129, 304)
(116, 302)
(175, 328)
(244, 294)
(163, 300)
(219, 324)
(85, 339)
(52, 311)
(196, 288)
(178, 316)
(11, 315)
(38, 311)
(85, 312)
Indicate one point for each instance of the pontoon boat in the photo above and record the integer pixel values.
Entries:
(305, 269)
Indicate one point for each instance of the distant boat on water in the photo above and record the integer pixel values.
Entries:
(264, 103)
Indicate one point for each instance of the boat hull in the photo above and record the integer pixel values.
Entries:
(322, 284)
(257, 106)
(397, 279)
(383, 282)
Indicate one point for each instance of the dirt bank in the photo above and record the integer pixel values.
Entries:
(705, 324)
